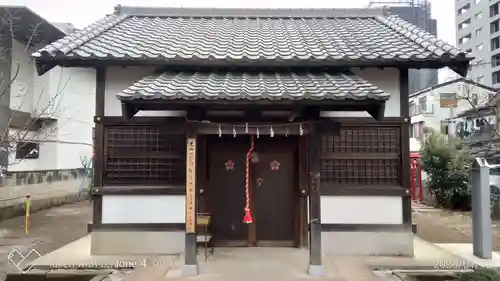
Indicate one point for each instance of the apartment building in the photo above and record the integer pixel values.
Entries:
(478, 32)
(417, 12)
(442, 107)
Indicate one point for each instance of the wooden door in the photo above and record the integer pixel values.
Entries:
(226, 171)
(274, 198)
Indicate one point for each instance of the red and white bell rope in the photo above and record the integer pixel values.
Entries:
(248, 213)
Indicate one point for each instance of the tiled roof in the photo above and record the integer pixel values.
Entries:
(336, 40)
(252, 86)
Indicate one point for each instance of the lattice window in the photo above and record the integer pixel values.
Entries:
(362, 156)
(144, 155)
(363, 140)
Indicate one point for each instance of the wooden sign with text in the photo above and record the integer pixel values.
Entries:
(191, 186)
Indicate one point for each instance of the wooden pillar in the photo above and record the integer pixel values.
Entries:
(98, 159)
(190, 260)
(315, 252)
(405, 146)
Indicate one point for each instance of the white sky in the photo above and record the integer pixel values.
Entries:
(82, 13)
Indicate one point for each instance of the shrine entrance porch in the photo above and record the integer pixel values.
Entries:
(272, 186)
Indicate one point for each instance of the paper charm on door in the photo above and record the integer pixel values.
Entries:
(275, 165)
(229, 165)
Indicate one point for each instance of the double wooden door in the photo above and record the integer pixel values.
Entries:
(272, 191)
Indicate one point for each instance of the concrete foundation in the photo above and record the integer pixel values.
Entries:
(368, 243)
(316, 270)
(137, 242)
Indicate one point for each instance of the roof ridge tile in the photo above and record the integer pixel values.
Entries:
(250, 12)
(411, 31)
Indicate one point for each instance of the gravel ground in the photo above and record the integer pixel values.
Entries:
(443, 226)
(49, 229)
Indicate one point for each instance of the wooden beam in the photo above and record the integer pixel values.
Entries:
(98, 159)
(405, 144)
(128, 111)
(196, 113)
(315, 252)
(377, 112)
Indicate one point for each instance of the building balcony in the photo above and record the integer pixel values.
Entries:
(422, 110)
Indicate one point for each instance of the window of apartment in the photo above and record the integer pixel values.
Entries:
(464, 39)
(412, 108)
(479, 47)
(418, 129)
(495, 60)
(464, 24)
(495, 43)
(478, 31)
(27, 150)
(495, 77)
(474, 99)
(478, 16)
(422, 104)
(494, 10)
(464, 9)
(494, 26)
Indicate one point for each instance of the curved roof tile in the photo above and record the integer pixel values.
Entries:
(252, 86)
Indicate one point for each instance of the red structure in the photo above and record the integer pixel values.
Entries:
(416, 177)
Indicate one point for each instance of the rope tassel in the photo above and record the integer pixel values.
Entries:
(248, 213)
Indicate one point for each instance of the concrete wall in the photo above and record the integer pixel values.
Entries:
(64, 94)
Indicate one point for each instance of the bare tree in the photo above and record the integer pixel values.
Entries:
(483, 110)
(28, 114)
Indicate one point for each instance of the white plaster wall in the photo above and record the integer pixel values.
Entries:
(361, 209)
(74, 109)
(386, 79)
(120, 78)
(65, 94)
(143, 209)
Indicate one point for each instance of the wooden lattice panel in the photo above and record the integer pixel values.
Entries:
(144, 155)
(362, 156)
